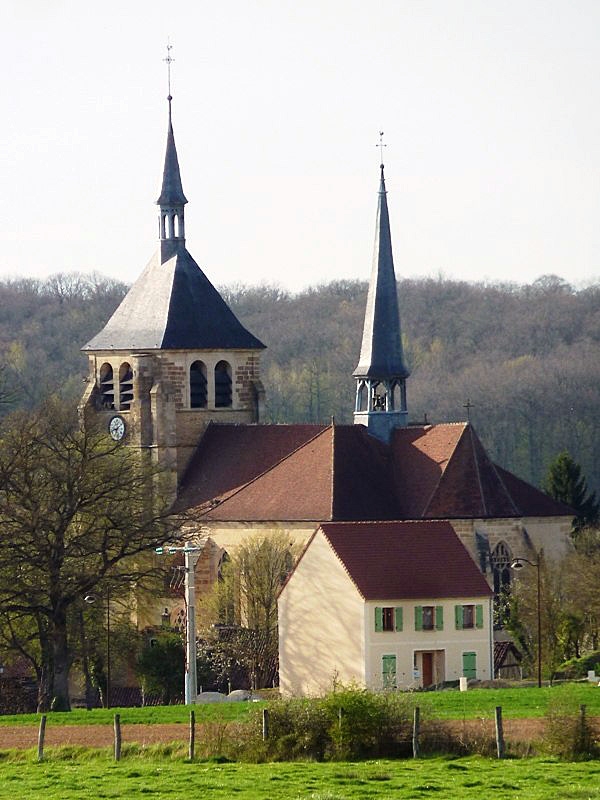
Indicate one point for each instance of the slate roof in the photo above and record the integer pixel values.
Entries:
(416, 560)
(340, 472)
(381, 353)
(173, 306)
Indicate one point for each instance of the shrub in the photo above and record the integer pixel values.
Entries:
(349, 723)
(569, 734)
(578, 667)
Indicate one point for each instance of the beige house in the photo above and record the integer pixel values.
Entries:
(383, 605)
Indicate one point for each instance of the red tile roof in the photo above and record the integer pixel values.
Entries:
(530, 501)
(340, 472)
(416, 560)
(229, 456)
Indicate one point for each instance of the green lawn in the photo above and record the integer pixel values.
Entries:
(449, 704)
(209, 712)
(465, 779)
(520, 702)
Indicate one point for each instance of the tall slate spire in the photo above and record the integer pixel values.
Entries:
(172, 191)
(172, 200)
(381, 372)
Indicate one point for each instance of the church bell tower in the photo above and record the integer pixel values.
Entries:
(381, 372)
(173, 357)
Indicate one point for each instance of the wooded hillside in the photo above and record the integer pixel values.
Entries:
(526, 357)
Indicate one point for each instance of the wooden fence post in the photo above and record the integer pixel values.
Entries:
(117, 727)
(192, 735)
(416, 729)
(265, 724)
(499, 732)
(41, 737)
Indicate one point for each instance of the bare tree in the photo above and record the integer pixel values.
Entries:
(76, 509)
(240, 614)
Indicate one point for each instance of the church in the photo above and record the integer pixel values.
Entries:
(176, 376)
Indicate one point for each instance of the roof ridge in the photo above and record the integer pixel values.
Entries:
(475, 437)
(239, 489)
(333, 434)
(477, 471)
(450, 457)
(354, 523)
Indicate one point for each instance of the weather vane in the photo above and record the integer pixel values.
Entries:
(169, 60)
(381, 145)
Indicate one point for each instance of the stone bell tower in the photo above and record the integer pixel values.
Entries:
(173, 357)
(381, 372)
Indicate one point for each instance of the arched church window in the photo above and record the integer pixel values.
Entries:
(501, 559)
(125, 386)
(107, 387)
(223, 394)
(198, 385)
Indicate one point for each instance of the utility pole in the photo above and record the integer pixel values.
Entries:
(191, 555)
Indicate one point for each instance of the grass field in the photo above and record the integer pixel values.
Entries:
(209, 712)
(521, 702)
(450, 779)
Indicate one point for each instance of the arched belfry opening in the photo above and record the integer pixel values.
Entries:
(125, 386)
(223, 387)
(107, 387)
(198, 385)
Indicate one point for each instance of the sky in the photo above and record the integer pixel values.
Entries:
(490, 110)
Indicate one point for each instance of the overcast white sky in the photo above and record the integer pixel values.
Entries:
(491, 112)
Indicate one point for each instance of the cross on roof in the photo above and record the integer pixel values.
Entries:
(468, 405)
(381, 145)
(169, 60)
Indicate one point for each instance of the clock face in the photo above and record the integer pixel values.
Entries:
(116, 428)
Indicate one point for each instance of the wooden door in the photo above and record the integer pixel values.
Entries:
(469, 665)
(427, 667)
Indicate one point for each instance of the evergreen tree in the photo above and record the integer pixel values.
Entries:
(564, 482)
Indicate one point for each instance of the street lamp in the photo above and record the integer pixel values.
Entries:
(191, 554)
(518, 564)
(91, 599)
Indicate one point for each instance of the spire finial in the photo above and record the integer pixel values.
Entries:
(381, 145)
(169, 60)
(468, 405)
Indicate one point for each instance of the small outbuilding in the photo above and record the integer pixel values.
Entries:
(384, 605)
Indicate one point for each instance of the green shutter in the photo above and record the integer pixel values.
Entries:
(439, 618)
(378, 619)
(458, 617)
(469, 665)
(418, 618)
(398, 618)
(479, 616)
